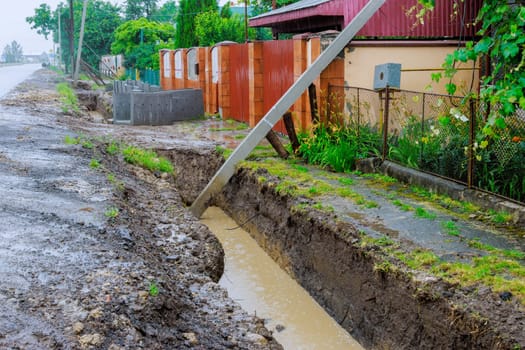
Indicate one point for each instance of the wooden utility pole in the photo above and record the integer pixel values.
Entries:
(71, 36)
(59, 37)
(80, 39)
(276, 112)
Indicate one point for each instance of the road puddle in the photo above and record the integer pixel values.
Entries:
(261, 287)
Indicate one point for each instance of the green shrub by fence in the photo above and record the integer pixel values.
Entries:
(436, 133)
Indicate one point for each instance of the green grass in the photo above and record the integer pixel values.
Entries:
(380, 177)
(346, 181)
(401, 205)
(68, 140)
(87, 144)
(300, 168)
(94, 164)
(224, 152)
(146, 159)
(385, 267)
(68, 98)
(114, 181)
(111, 212)
(501, 270)
(323, 207)
(499, 273)
(371, 204)
(500, 217)
(383, 241)
(80, 140)
(153, 289)
(233, 126)
(113, 148)
(424, 214)
(419, 258)
(450, 228)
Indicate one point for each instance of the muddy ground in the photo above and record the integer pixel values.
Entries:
(104, 295)
(101, 257)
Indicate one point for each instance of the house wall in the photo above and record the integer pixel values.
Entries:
(361, 59)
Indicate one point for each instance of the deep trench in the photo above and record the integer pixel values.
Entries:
(381, 309)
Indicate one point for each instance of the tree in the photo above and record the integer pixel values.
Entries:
(140, 41)
(101, 21)
(135, 9)
(261, 6)
(42, 21)
(188, 10)
(211, 28)
(166, 13)
(13, 53)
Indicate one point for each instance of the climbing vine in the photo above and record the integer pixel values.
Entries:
(501, 42)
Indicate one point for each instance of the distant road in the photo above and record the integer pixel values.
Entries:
(11, 76)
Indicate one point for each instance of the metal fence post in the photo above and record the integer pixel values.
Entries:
(385, 122)
(358, 115)
(422, 129)
(312, 94)
(470, 152)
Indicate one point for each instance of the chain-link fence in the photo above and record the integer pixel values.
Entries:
(449, 136)
(500, 159)
(357, 109)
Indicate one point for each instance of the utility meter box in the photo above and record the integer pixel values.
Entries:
(388, 74)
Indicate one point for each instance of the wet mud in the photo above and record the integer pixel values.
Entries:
(89, 263)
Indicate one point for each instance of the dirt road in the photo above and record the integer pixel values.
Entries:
(89, 263)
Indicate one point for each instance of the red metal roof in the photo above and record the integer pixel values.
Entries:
(391, 20)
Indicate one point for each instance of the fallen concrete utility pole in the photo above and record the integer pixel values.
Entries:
(274, 114)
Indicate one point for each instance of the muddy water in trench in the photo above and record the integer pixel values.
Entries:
(256, 282)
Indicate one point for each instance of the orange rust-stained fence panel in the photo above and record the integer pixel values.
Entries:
(278, 68)
(239, 80)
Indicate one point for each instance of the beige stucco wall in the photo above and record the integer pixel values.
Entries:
(361, 60)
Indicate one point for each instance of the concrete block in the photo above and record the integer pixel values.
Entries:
(157, 108)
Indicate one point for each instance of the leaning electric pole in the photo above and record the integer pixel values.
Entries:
(71, 36)
(80, 39)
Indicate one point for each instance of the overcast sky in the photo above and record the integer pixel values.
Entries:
(13, 25)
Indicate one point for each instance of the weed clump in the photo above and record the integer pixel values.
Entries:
(146, 159)
(68, 98)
